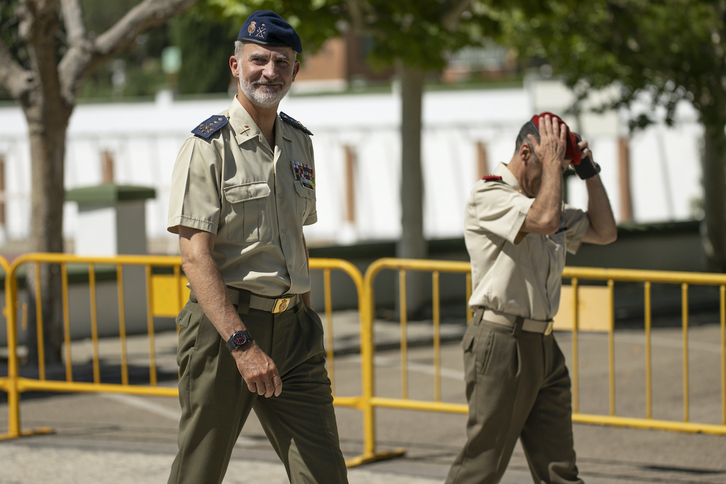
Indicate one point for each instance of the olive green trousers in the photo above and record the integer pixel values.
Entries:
(215, 401)
(517, 386)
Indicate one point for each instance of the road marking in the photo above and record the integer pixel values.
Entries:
(163, 411)
(142, 403)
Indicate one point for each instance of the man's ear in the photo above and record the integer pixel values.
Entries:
(234, 66)
(525, 152)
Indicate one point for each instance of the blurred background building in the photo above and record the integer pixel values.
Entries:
(141, 106)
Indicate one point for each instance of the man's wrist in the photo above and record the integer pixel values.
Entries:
(240, 340)
(587, 168)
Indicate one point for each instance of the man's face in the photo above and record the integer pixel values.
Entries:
(265, 73)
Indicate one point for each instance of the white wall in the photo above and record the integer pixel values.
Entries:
(145, 138)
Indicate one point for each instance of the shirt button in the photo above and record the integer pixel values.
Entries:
(279, 195)
(284, 231)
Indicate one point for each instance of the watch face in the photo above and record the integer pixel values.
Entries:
(240, 338)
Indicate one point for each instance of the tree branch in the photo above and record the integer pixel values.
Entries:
(149, 13)
(356, 17)
(73, 19)
(15, 79)
(82, 59)
(452, 17)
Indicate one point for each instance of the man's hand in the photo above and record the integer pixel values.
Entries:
(552, 143)
(258, 371)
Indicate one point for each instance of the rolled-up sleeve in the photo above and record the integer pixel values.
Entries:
(195, 199)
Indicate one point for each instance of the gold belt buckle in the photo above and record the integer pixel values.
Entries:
(549, 327)
(281, 305)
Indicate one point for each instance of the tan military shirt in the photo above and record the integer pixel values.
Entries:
(254, 199)
(522, 279)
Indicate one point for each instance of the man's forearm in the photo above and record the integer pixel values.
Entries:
(546, 209)
(211, 293)
(600, 212)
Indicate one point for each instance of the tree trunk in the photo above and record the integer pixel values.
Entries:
(47, 116)
(714, 185)
(412, 244)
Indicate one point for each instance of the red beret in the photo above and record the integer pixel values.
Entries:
(573, 151)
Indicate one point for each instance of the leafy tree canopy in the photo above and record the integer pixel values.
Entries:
(670, 50)
(419, 33)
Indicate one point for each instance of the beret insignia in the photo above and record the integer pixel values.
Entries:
(251, 28)
(492, 178)
(295, 123)
(261, 32)
(210, 126)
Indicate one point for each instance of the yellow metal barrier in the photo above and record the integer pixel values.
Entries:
(685, 279)
(165, 295)
(402, 265)
(595, 295)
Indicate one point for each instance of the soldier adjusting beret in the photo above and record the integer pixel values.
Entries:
(572, 151)
(268, 28)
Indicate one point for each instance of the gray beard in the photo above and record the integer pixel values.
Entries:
(258, 95)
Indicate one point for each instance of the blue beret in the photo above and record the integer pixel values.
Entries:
(267, 28)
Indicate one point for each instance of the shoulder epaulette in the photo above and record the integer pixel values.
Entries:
(295, 123)
(492, 178)
(210, 126)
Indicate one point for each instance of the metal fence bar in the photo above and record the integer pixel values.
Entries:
(722, 291)
(648, 355)
(437, 335)
(329, 328)
(684, 290)
(94, 323)
(66, 322)
(9, 384)
(575, 358)
(611, 346)
(404, 339)
(122, 324)
(150, 326)
(39, 323)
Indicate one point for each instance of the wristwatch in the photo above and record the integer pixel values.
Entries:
(238, 340)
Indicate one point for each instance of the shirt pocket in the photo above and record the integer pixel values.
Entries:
(247, 220)
(305, 200)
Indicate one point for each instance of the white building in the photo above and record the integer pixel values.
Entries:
(143, 139)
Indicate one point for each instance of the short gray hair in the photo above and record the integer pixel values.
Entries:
(238, 45)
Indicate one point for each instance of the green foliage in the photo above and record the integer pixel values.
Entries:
(139, 64)
(206, 43)
(419, 33)
(671, 50)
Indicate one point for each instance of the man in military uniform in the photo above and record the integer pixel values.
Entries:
(243, 186)
(517, 230)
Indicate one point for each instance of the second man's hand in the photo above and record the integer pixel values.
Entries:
(258, 370)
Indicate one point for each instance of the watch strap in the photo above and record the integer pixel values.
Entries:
(238, 340)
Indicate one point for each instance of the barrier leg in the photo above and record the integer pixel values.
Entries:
(14, 430)
(369, 422)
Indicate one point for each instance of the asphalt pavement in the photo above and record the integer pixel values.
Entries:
(119, 438)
